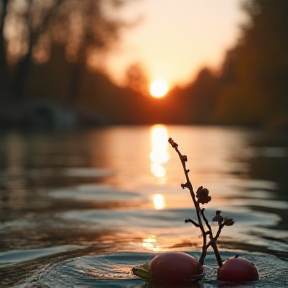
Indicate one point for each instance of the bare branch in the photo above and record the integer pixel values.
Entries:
(203, 197)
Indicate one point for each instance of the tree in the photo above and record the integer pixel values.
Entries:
(3, 53)
(263, 70)
(258, 92)
(202, 96)
(136, 79)
(29, 28)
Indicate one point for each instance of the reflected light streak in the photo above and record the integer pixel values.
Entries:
(150, 243)
(159, 154)
(158, 170)
(159, 201)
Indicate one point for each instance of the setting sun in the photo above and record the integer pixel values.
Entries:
(158, 88)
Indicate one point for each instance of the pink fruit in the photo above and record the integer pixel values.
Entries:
(237, 270)
(174, 267)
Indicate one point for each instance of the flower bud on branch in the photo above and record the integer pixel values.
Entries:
(202, 197)
(173, 144)
(229, 221)
(218, 218)
(184, 158)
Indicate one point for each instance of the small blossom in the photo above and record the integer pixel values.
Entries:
(218, 218)
(203, 195)
(173, 144)
(229, 221)
(184, 158)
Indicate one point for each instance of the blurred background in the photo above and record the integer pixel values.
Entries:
(90, 92)
(68, 62)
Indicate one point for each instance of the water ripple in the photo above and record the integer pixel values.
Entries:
(114, 270)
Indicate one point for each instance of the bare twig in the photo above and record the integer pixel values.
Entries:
(188, 185)
(203, 197)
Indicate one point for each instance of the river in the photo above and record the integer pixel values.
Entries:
(81, 208)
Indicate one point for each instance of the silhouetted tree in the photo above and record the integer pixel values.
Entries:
(263, 69)
(136, 79)
(202, 96)
(3, 59)
(258, 93)
(32, 27)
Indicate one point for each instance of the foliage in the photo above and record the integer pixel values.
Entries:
(260, 66)
(30, 29)
(46, 46)
(136, 79)
(202, 96)
(252, 86)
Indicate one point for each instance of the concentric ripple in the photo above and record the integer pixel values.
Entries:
(114, 270)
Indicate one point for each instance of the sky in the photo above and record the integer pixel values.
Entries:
(175, 38)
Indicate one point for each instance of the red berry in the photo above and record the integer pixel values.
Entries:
(237, 270)
(174, 267)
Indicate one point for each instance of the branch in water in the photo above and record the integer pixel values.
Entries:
(202, 195)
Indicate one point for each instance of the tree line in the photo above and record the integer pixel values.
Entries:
(46, 48)
(251, 86)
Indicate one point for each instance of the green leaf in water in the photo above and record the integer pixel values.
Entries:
(142, 271)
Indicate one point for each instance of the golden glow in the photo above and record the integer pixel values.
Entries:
(159, 154)
(158, 170)
(158, 88)
(159, 201)
(151, 243)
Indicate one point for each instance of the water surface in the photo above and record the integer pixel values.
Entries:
(82, 208)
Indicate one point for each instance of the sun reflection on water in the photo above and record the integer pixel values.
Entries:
(150, 243)
(159, 154)
(159, 201)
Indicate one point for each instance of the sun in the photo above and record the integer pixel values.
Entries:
(158, 88)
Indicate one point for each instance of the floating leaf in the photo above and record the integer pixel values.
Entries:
(142, 271)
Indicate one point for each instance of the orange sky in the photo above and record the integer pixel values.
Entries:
(176, 37)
